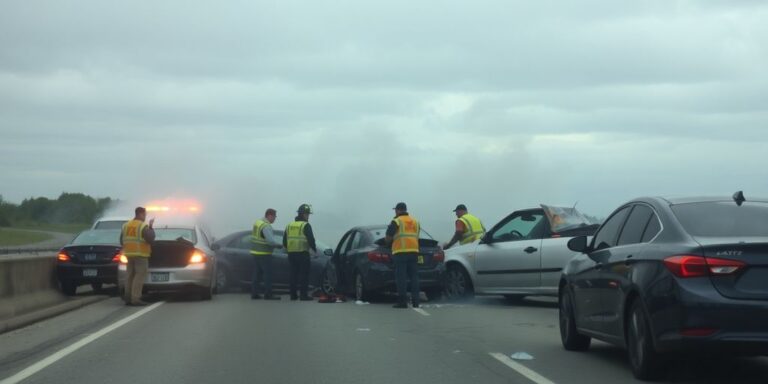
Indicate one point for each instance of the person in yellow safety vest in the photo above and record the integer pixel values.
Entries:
(136, 239)
(298, 241)
(468, 228)
(403, 235)
(263, 243)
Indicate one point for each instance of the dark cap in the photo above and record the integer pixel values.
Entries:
(305, 208)
(460, 207)
(401, 207)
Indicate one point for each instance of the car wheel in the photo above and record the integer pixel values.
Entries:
(569, 335)
(69, 288)
(361, 292)
(222, 280)
(646, 363)
(327, 285)
(459, 285)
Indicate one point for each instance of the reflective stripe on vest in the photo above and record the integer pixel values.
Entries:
(133, 239)
(406, 239)
(473, 229)
(297, 241)
(259, 245)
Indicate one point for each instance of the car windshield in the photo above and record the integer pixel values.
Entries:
(723, 219)
(175, 233)
(563, 219)
(110, 224)
(97, 237)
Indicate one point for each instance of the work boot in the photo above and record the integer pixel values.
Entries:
(271, 297)
(400, 305)
(415, 305)
(139, 303)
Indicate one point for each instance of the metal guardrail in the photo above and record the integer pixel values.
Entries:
(14, 251)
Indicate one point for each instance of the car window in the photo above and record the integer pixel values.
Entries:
(98, 237)
(356, 241)
(341, 248)
(652, 229)
(378, 233)
(635, 226)
(175, 233)
(111, 224)
(606, 236)
(520, 227)
(723, 219)
(244, 242)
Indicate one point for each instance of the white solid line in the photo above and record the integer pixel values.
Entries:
(521, 369)
(419, 310)
(42, 364)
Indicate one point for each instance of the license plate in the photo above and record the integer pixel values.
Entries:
(90, 272)
(89, 257)
(421, 259)
(160, 277)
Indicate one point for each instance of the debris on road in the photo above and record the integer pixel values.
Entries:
(363, 330)
(361, 302)
(521, 356)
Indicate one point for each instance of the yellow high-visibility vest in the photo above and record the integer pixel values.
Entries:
(473, 229)
(295, 238)
(406, 239)
(133, 239)
(260, 246)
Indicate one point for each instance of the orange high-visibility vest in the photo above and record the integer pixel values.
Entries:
(133, 239)
(406, 239)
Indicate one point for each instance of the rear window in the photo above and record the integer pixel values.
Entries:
(100, 237)
(112, 224)
(175, 233)
(723, 219)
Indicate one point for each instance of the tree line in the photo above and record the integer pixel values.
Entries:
(68, 208)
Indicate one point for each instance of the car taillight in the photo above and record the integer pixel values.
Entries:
(439, 256)
(123, 259)
(118, 257)
(64, 257)
(197, 257)
(378, 257)
(697, 266)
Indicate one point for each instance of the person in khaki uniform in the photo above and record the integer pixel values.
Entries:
(136, 239)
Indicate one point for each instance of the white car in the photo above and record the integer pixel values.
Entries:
(523, 255)
(114, 222)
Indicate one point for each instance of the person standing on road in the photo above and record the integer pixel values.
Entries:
(263, 243)
(468, 227)
(136, 239)
(298, 241)
(403, 235)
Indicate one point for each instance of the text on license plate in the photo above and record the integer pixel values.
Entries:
(160, 277)
(90, 272)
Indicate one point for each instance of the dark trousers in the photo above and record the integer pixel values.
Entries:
(262, 273)
(407, 269)
(341, 280)
(299, 273)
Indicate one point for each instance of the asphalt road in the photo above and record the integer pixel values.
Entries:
(235, 340)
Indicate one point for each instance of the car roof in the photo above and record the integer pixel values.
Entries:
(114, 218)
(672, 200)
(369, 228)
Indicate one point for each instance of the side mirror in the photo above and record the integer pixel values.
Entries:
(328, 252)
(578, 244)
(215, 247)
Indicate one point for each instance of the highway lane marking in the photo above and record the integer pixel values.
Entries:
(422, 312)
(521, 369)
(42, 364)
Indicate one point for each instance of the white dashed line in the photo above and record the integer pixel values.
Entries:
(422, 312)
(521, 369)
(42, 364)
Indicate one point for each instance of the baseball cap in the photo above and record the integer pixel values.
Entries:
(460, 207)
(401, 206)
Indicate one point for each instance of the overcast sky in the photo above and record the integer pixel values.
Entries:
(353, 106)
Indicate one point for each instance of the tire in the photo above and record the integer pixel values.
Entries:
(69, 288)
(459, 285)
(569, 334)
(327, 284)
(433, 294)
(646, 363)
(222, 280)
(97, 287)
(361, 292)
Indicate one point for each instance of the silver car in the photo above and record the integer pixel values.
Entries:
(522, 255)
(182, 260)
